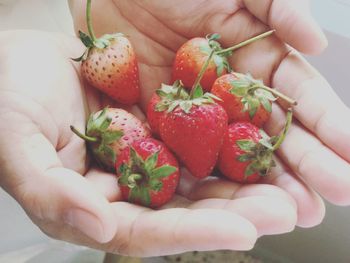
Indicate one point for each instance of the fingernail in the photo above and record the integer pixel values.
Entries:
(87, 223)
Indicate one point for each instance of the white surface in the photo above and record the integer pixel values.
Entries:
(324, 244)
(333, 15)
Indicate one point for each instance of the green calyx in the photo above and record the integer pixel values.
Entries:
(101, 138)
(142, 176)
(260, 154)
(176, 96)
(253, 94)
(90, 40)
(220, 60)
(220, 55)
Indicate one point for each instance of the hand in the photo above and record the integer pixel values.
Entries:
(42, 161)
(315, 156)
(42, 164)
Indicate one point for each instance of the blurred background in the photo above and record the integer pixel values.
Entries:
(329, 242)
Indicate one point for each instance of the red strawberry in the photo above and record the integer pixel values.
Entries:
(110, 131)
(193, 127)
(192, 55)
(245, 99)
(247, 152)
(160, 100)
(148, 173)
(109, 64)
(241, 103)
(153, 115)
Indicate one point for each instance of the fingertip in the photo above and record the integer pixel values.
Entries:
(314, 218)
(94, 226)
(317, 44)
(110, 228)
(244, 232)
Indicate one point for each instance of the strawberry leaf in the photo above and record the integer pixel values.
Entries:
(265, 94)
(144, 196)
(124, 170)
(241, 83)
(266, 104)
(162, 106)
(252, 105)
(163, 171)
(266, 143)
(250, 170)
(173, 105)
(238, 90)
(218, 60)
(156, 185)
(81, 58)
(151, 162)
(136, 158)
(198, 92)
(246, 145)
(245, 157)
(186, 105)
(86, 39)
(227, 64)
(212, 96)
(108, 153)
(109, 137)
(161, 92)
(205, 49)
(214, 36)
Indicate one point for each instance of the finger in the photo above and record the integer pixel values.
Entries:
(105, 183)
(320, 167)
(319, 108)
(213, 187)
(268, 214)
(292, 21)
(178, 230)
(33, 174)
(310, 206)
(269, 208)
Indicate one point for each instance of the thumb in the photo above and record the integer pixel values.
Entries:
(52, 195)
(292, 21)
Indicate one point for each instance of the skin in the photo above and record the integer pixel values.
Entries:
(42, 162)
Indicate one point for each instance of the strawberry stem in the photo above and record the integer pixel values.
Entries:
(132, 180)
(83, 136)
(276, 93)
(201, 73)
(89, 20)
(246, 42)
(282, 136)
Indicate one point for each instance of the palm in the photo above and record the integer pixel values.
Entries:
(311, 139)
(214, 210)
(170, 24)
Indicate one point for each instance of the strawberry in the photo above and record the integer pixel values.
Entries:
(193, 127)
(160, 100)
(110, 131)
(148, 173)
(192, 55)
(246, 154)
(109, 64)
(246, 99)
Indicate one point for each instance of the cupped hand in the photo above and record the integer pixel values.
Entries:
(42, 164)
(41, 161)
(314, 159)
